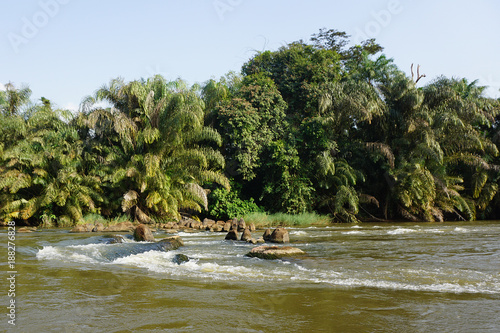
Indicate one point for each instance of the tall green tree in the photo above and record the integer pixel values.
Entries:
(168, 153)
(13, 99)
(42, 174)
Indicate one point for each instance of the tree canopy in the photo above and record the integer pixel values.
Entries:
(313, 126)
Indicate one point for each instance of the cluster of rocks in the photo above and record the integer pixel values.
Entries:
(142, 233)
(278, 235)
(99, 227)
(185, 224)
(207, 224)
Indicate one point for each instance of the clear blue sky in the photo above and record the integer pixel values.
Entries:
(66, 49)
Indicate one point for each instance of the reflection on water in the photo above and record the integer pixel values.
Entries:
(369, 277)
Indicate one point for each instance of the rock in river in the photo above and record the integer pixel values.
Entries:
(246, 235)
(241, 225)
(232, 235)
(279, 235)
(143, 233)
(267, 235)
(170, 243)
(180, 258)
(227, 226)
(274, 252)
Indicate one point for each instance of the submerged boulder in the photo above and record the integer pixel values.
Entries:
(180, 258)
(170, 243)
(116, 239)
(142, 233)
(274, 252)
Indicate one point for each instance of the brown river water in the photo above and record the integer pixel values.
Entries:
(399, 277)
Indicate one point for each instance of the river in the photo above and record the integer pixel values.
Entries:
(400, 277)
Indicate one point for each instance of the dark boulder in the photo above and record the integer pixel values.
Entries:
(232, 235)
(170, 243)
(116, 239)
(246, 235)
(142, 233)
(279, 235)
(180, 258)
(267, 235)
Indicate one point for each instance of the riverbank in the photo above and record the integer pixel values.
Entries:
(259, 220)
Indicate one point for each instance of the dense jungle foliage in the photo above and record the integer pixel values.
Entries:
(311, 127)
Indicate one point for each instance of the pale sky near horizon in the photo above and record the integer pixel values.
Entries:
(66, 49)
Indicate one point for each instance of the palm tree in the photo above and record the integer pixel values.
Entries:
(13, 99)
(168, 152)
(435, 135)
(462, 116)
(42, 173)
